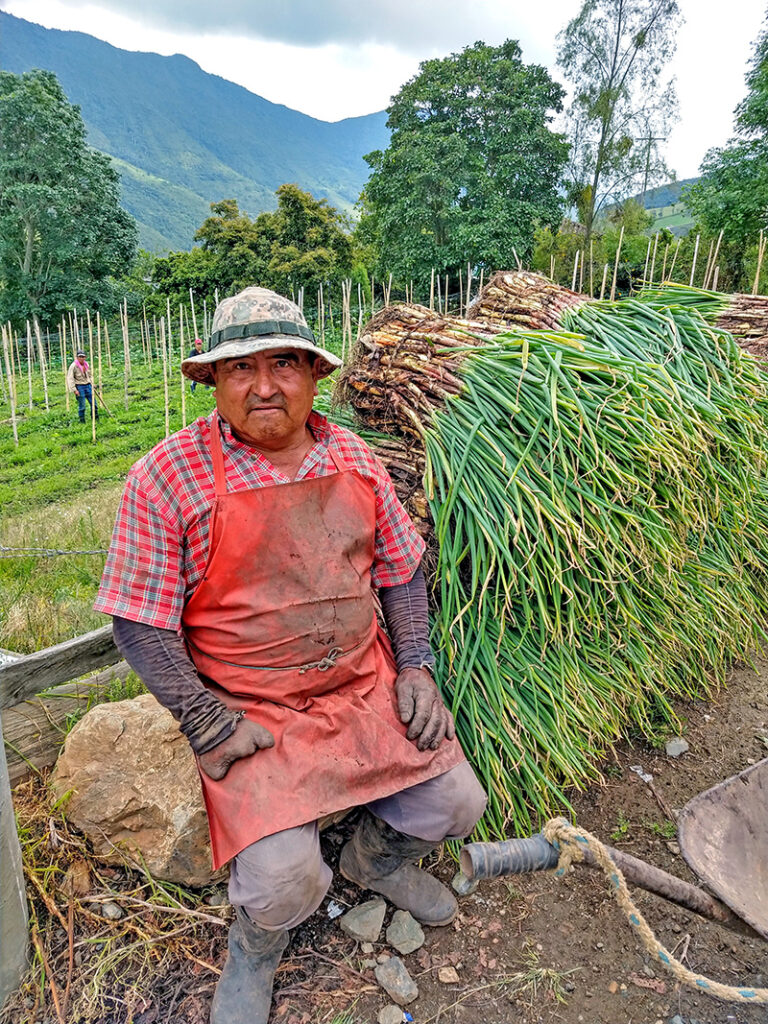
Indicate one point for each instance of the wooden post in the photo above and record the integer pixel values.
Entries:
(664, 265)
(29, 362)
(714, 279)
(446, 293)
(14, 919)
(42, 363)
(693, 265)
(591, 269)
(98, 347)
(552, 267)
(710, 264)
(674, 258)
(480, 286)
(63, 347)
(321, 311)
(183, 378)
(170, 336)
(605, 279)
(439, 296)
(708, 282)
(165, 377)
(653, 257)
(93, 383)
(575, 270)
(461, 291)
(432, 291)
(2, 382)
(469, 288)
(192, 307)
(616, 264)
(126, 352)
(647, 258)
(760, 254)
(11, 389)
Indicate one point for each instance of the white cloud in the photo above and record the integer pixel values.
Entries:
(340, 58)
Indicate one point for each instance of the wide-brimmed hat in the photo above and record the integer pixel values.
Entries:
(256, 320)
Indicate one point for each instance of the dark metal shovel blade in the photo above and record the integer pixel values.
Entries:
(723, 835)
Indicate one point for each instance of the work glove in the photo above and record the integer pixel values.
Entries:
(247, 738)
(421, 707)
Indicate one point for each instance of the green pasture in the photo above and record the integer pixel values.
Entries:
(59, 491)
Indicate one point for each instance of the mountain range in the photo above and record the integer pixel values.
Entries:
(182, 138)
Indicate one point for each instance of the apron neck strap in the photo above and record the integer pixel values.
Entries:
(217, 454)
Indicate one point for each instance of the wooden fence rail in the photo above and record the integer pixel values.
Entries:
(20, 680)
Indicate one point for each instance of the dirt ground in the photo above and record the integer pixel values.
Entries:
(529, 949)
(520, 941)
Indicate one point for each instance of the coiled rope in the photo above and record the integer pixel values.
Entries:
(572, 842)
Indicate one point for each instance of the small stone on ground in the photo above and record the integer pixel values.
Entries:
(448, 975)
(405, 933)
(390, 1015)
(364, 923)
(676, 747)
(396, 981)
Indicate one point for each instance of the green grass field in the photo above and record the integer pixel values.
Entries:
(59, 490)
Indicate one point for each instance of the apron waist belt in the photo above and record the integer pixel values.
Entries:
(328, 661)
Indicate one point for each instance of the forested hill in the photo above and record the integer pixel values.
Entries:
(182, 138)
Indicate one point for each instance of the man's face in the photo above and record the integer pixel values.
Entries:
(267, 397)
(198, 345)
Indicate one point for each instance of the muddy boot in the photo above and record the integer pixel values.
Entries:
(244, 992)
(379, 858)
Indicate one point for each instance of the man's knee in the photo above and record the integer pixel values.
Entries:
(448, 806)
(463, 799)
(281, 879)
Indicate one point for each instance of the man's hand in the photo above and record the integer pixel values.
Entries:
(247, 738)
(420, 703)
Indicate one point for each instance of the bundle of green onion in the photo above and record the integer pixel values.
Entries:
(600, 515)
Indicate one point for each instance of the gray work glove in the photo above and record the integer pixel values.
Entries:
(247, 738)
(420, 704)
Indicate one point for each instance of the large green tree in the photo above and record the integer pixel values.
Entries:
(472, 166)
(733, 193)
(62, 230)
(304, 242)
(614, 55)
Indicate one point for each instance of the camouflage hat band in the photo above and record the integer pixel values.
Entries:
(234, 332)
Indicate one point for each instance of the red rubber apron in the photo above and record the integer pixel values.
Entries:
(283, 626)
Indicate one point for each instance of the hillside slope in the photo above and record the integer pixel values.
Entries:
(183, 138)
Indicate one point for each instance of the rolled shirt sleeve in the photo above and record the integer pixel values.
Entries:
(399, 547)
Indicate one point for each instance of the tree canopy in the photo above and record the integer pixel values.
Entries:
(613, 53)
(303, 243)
(62, 230)
(733, 193)
(472, 166)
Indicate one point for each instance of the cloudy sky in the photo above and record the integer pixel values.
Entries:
(340, 58)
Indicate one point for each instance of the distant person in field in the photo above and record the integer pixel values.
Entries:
(197, 348)
(80, 383)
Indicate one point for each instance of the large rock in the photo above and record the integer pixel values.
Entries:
(133, 783)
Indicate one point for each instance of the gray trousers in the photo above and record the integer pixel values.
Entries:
(282, 879)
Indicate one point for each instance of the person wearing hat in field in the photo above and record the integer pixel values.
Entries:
(80, 383)
(246, 561)
(197, 348)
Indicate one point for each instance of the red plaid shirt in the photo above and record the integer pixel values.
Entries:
(160, 542)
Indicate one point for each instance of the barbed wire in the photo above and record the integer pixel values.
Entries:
(47, 552)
